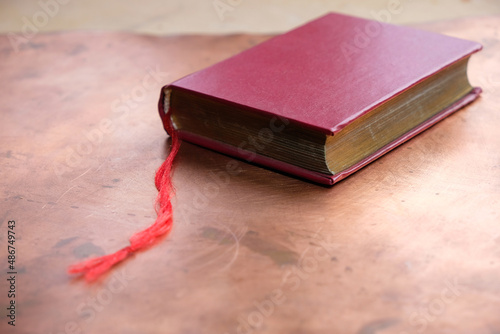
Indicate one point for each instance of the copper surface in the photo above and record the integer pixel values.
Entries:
(409, 244)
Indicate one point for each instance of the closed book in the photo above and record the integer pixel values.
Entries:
(325, 99)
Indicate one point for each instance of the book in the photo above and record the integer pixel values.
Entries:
(325, 99)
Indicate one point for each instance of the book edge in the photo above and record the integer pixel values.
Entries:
(301, 172)
(234, 152)
(469, 98)
(257, 159)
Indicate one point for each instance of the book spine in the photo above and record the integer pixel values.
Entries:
(164, 110)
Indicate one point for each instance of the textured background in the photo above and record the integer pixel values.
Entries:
(409, 244)
(200, 16)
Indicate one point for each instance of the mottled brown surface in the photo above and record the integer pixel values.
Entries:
(409, 244)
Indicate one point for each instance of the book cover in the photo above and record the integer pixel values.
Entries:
(324, 75)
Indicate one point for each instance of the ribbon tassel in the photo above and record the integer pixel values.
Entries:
(93, 268)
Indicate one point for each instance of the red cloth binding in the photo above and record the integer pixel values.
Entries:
(93, 268)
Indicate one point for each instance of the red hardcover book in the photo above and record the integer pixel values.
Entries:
(324, 99)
